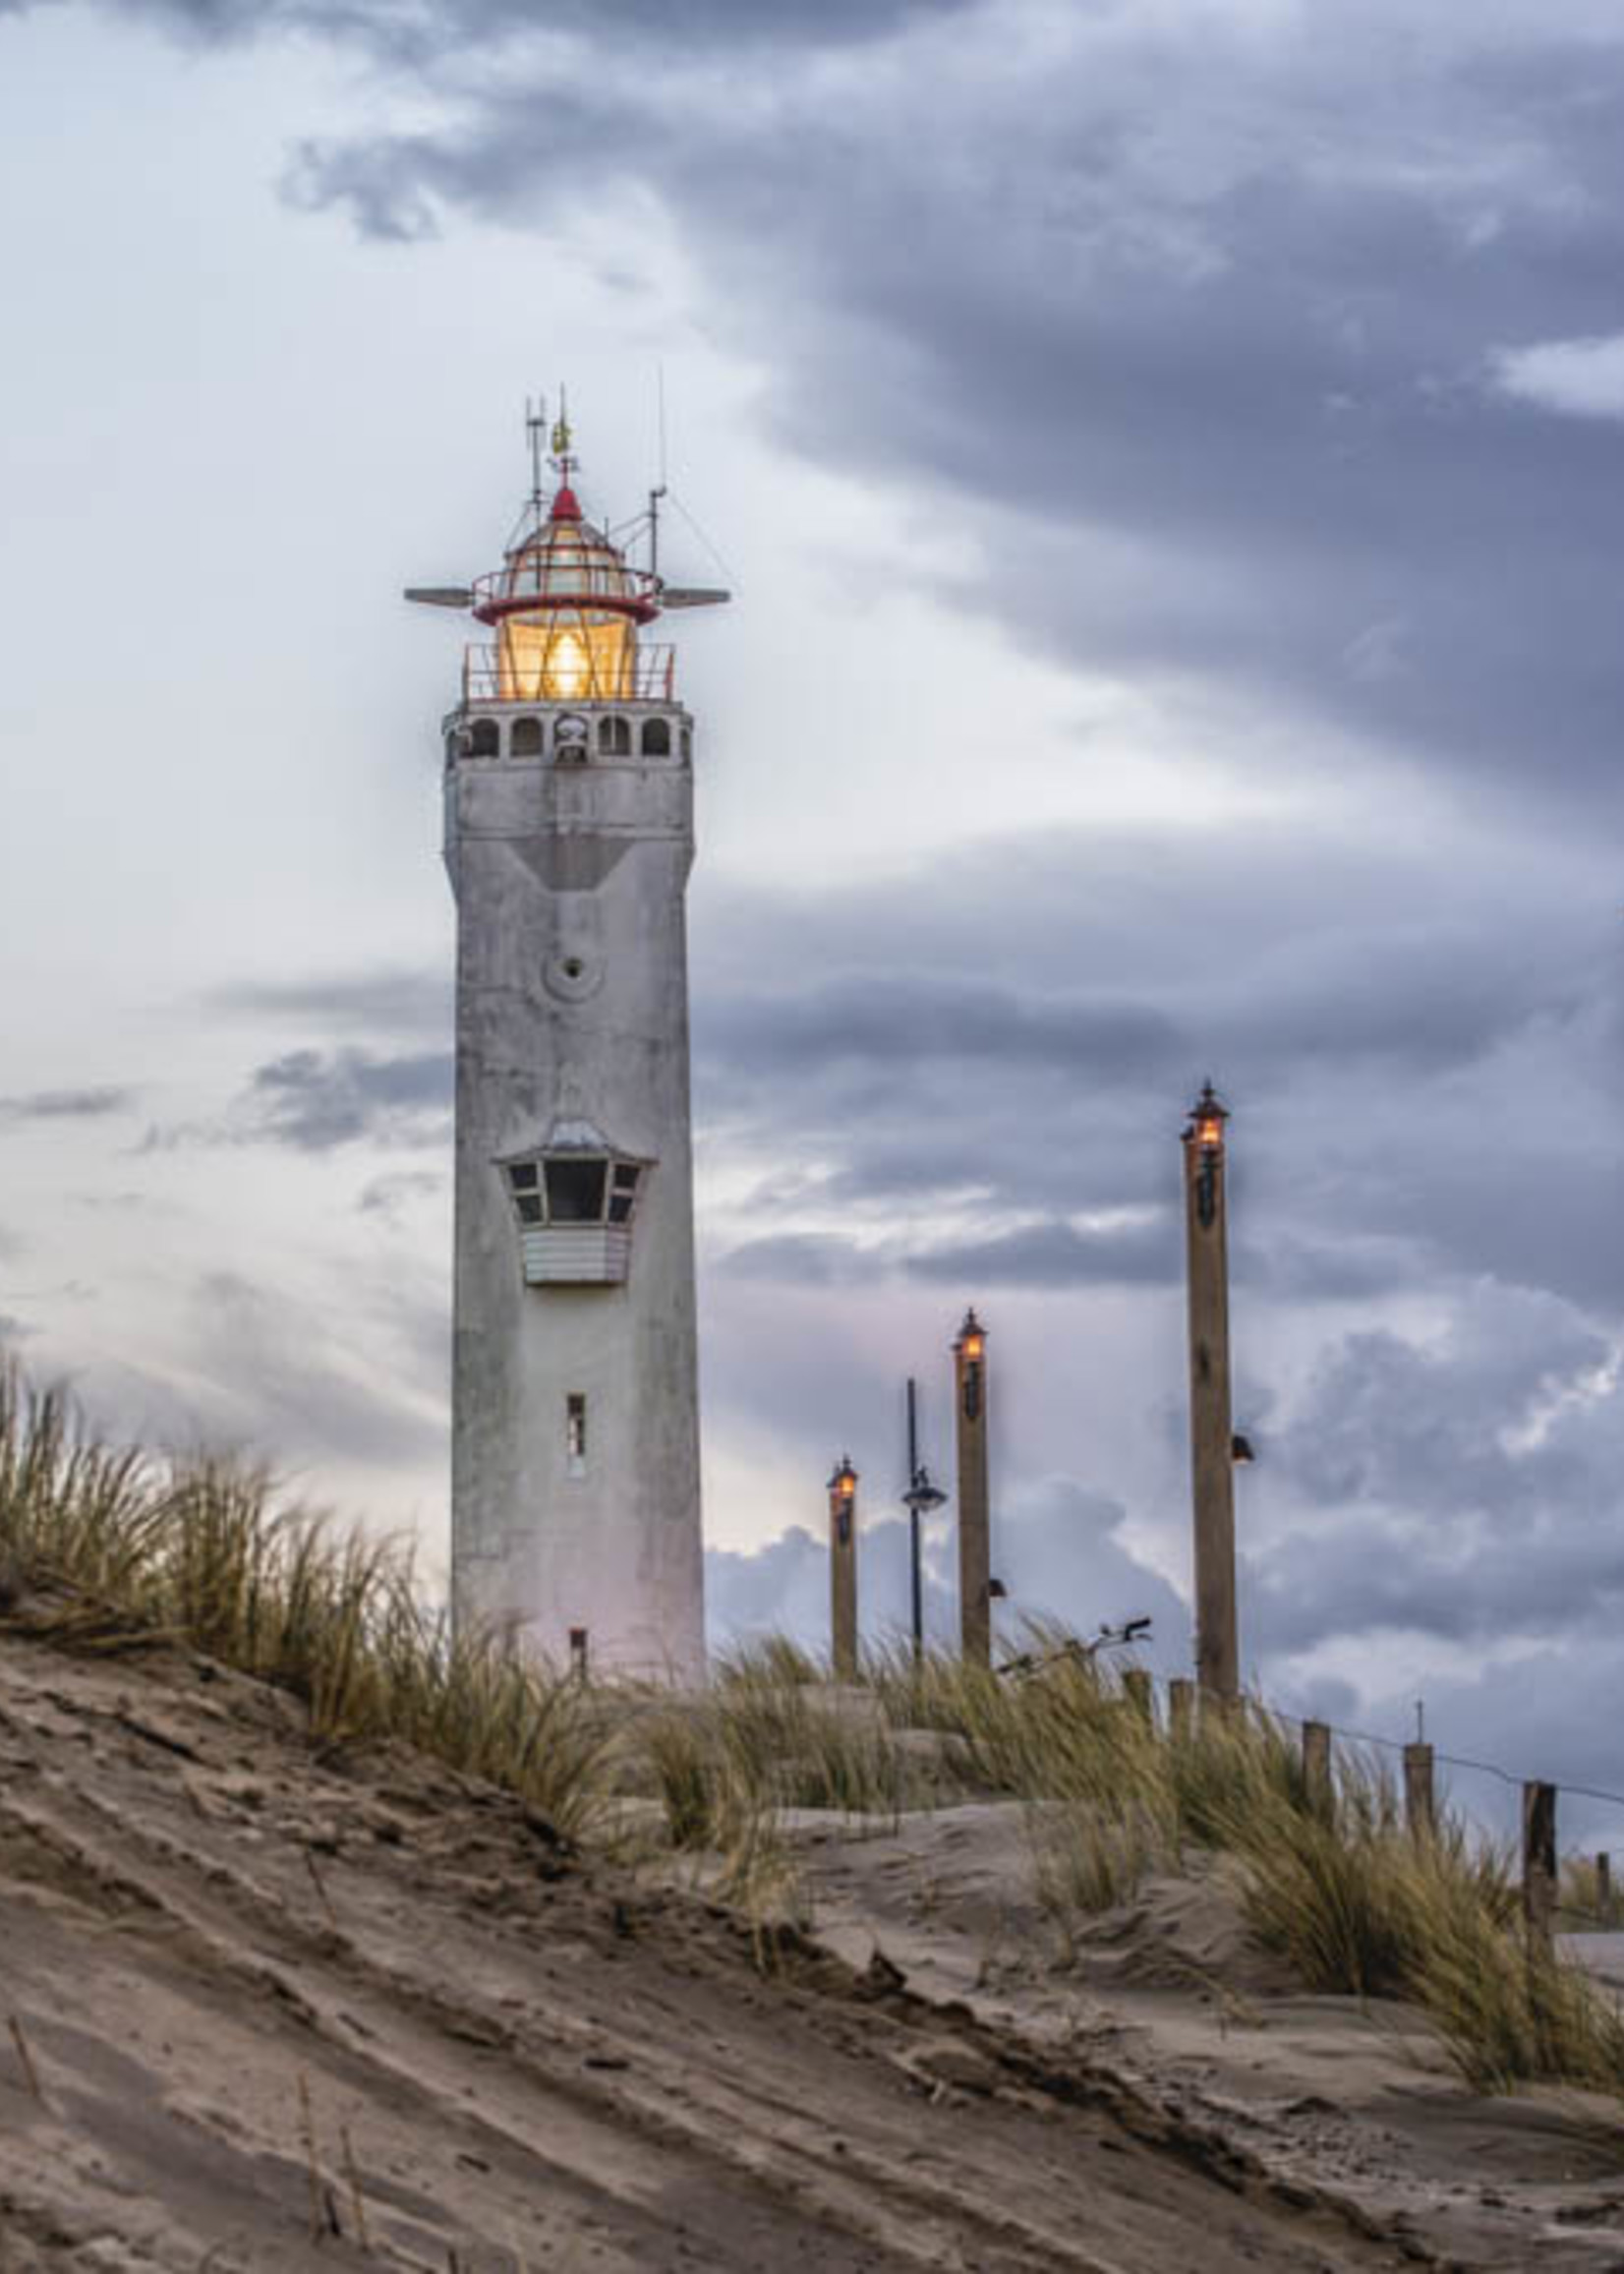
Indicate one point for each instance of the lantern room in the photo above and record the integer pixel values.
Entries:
(565, 605)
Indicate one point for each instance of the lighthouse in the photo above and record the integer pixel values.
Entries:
(575, 1494)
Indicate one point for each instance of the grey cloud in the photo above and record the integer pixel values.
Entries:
(1465, 1491)
(390, 1197)
(422, 31)
(1056, 1548)
(93, 1103)
(313, 1100)
(1057, 1254)
(277, 1374)
(1426, 1062)
(1239, 416)
(392, 1004)
(805, 1259)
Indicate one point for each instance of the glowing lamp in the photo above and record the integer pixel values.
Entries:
(844, 1483)
(568, 668)
(1207, 1117)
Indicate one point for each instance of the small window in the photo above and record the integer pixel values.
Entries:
(525, 741)
(523, 1177)
(486, 739)
(575, 1190)
(528, 1205)
(623, 1192)
(657, 738)
(575, 1433)
(615, 737)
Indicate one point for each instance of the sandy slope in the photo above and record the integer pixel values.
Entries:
(1168, 1990)
(511, 2060)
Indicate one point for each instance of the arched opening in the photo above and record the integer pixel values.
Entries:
(657, 738)
(526, 739)
(615, 737)
(485, 739)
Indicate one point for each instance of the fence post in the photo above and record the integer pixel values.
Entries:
(1181, 1710)
(1540, 1864)
(1317, 1765)
(1139, 1692)
(1420, 1810)
(1604, 1886)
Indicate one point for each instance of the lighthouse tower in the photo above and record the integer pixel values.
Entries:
(575, 1519)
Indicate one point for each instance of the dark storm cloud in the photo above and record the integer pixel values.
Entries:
(1211, 327)
(314, 1099)
(419, 33)
(1464, 1492)
(87, 1104)
(1425, 1061)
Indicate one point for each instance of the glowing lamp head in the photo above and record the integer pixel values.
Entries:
(973, 1340)
(844, 1483)
(567, 668)
(1207, 1117)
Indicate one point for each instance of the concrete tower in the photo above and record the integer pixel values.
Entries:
(575, 1517)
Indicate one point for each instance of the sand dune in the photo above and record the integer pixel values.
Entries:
(264, 2009)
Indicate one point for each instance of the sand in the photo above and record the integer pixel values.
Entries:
(1354, 2100)
(265, 2008)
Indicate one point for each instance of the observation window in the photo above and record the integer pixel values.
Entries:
(657, 738)
(525, 741)
(615, 737)
(574, 1188)
(485, 739)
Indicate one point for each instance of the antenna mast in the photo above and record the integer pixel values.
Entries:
(535, 427)
(659, 491)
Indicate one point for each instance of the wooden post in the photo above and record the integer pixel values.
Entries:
(1211, 1426)
(1139, 1694)
(842, 1571)
(1540, 1864)
(1181, 1710)
(1316, 1766)
(976, 1614)
(1420, 1808)
(1605, 1888)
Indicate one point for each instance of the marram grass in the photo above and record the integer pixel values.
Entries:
(102, 1547)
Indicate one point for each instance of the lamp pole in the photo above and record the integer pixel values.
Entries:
(843, 1570)
(1211, 1428)
(919, 1499)
(975, 1614)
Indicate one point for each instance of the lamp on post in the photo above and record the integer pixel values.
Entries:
(974, 1524)
(920, 1499)
(1215, 1447)
(843, 1570)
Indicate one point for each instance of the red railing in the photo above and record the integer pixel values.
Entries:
(645, 675)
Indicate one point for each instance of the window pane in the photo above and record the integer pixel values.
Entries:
(575, 1190)
(625, 1176)
(620, 1207)
(530, 1207)
(522, 1177)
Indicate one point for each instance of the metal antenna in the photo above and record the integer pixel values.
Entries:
(659, 491)
(535, 427)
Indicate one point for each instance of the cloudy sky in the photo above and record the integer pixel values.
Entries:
(1171, 461)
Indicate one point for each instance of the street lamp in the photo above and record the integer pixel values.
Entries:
(920, 1499)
